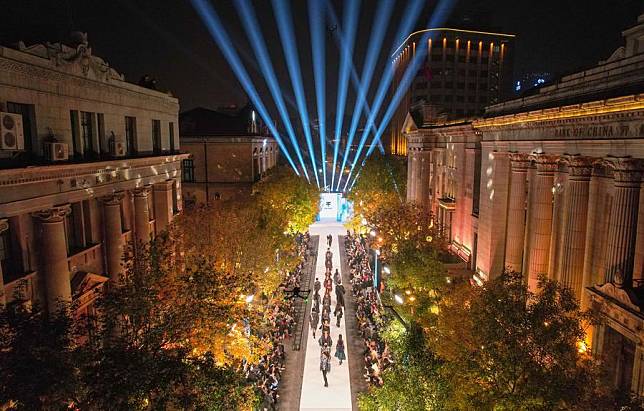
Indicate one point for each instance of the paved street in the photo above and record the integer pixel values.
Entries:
(337, 396)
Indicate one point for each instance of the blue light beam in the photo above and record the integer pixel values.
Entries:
(378, 30)
(406, 24)
(282, 11)
(251, 26)
(215, 27)
(316, 21)
(349, 20)
(405, 27)
(438, 16)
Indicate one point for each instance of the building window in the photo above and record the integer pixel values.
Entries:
(188, 171)
(173, 147)
(130, 135)
(75, 229)
(9, 258)
(86, 132)
(156, 136)
(73, 116)
(100, 125)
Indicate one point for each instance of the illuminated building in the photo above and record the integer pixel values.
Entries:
(88, 163)
(549, 184)
(229, 151)
(465, 71)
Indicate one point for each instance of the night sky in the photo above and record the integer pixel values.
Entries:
(168, 40)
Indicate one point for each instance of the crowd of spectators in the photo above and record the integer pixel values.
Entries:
(280, 318)
(369, 310)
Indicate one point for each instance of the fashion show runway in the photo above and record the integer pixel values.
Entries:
(337, 396)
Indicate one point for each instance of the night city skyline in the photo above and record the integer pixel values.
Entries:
(171, 44)
(348, 205)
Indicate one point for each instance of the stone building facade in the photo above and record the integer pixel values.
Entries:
(465, 71)
(229, 151)
(549, 184)
(99, 168)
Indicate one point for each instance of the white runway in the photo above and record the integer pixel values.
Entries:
(337, 396)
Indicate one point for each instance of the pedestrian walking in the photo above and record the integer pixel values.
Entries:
(317, 286)
(325, 338)
(337, 277)
(314, 319)
(326, 326)
(339, 294)
(325, 363)
(338, 314)
(339, 350)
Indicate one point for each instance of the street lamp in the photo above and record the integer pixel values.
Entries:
(398, 299)
(372, 233)
(386, 269)
(249, 298)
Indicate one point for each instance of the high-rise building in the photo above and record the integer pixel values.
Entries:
(464, 71)
(88, 163)
(550, 185)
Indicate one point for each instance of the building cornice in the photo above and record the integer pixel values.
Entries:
(595, 108)
(486, 33)
(112, 168)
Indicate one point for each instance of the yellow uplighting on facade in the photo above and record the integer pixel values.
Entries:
(487, 33)
(619, 104)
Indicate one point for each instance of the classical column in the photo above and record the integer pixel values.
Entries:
(163, 205)
(53, 248)
(558, 199)
(4, 226)
(410, 175)
(423, 178)
(541, 216)
(622, 229)
(113, 235)
(141, 215)
(573, 242)
(516, 212)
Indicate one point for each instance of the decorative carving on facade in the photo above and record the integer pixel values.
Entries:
(622, 295)
(579, 167)
(79, 55)
(4, 226)
(141, 191)
(54, 214)
(113, 199)
(546, 163)
(520, 161)
(626, 170)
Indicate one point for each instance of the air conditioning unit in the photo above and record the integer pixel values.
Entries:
(56, 151)
(117, 149)
(11, 133)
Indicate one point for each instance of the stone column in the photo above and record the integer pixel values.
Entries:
(516, 212)
(163, 206)
(622, 229)
(113, 235)
(423, 178)
(590, 239)
(541, 216)
(410, 175)
(573, 242)
(141, 215)
(53, 247)
(4, 226)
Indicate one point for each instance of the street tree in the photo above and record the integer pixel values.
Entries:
(507, 348)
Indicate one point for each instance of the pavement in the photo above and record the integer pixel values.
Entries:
(337, 396)
(302, 386)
